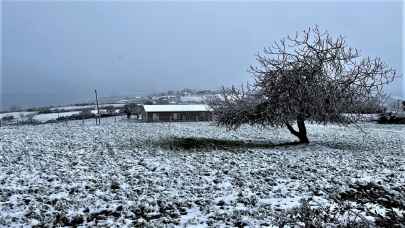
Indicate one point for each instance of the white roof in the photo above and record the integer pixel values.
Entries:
(176, 108)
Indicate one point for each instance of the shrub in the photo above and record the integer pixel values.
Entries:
(7, 118)
(85, 114)
(44, 110)
(110, 109)
(132, 109)
(389, 118)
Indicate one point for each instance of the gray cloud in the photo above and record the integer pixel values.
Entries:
(58, 52)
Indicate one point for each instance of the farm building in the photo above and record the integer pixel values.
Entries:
(395, 104)
(178, 113)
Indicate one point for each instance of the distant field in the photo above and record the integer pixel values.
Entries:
(120, 173)
(75, 107)
(17, 115)
(53, 116)
(62, 111)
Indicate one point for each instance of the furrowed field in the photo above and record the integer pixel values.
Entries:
(194, 174)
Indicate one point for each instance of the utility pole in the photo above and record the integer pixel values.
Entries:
(98, 109)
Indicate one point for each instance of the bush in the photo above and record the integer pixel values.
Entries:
(41, 110)
(110, 109)
(7, 118)
(374, 105)
(85, 114)
(389, 118)
(44, 110)
(132, 109)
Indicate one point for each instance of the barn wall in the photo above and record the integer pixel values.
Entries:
(177, 116)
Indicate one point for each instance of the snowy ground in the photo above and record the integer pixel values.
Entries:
(17, 115)
(53, 116)
(114, 174)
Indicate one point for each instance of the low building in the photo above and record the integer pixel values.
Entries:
(395, 104)
(176, 113)
(403, 105)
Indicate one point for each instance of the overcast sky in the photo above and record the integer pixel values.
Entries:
(58, 52)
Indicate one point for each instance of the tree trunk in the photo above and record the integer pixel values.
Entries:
(302, 130)
(301, 134)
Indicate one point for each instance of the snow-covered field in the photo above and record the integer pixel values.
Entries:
(115, 174)
(17, 115)
(44, 117)
(53, 116)
(79, 107)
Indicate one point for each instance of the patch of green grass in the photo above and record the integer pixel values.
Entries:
(189, 143)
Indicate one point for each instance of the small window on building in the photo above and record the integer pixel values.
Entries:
(174, 116)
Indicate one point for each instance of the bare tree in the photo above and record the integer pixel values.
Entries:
(133, 109)
(308, 77)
